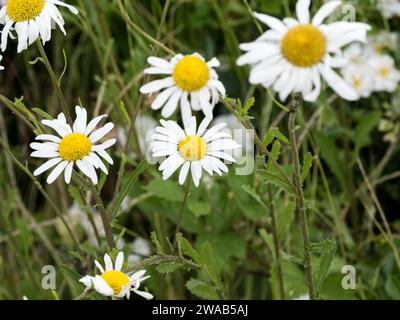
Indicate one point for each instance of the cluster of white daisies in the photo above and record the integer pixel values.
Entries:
(293, 55)
(369, 68)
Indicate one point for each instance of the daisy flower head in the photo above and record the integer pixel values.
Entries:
(191, 82)
(31, 19)
(112, 282)
(386, 76)
(295, 53)
(192, 149)
(73, 145)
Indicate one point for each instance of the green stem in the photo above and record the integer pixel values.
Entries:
(276, 245)
(55, 81)
(183, 206)
(300, 197)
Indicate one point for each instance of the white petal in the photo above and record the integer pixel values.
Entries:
(47, 165)
(119, 261)
(56, 172)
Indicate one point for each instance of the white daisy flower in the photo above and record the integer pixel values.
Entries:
(358, 72)
(386, 76)
(383, 40)
(390, 8)
(191, 81)
(113, 282)
(192, 148)
(31, 19)
(76, 145)
(294, 54)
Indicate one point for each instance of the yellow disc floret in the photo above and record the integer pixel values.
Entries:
(116, 280)
(74, 146)
(192, 148)
(23, 10)
(384, 72)
(191, 73)
(304, 45)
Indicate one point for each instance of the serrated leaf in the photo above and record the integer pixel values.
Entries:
(206, 253)
(202, 289)
(327, 249)
(168, 267)
(277, 180)
(275, 152)
(156, 243)
(249, 104)
(273, 133)
(307, 164)
(187, 248)
(253, 193)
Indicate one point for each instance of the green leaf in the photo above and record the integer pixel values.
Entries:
(363, 130)
(275, 152)
(202, 289)
(253, 193)
(168, 267)
(276, 180)
(327, 249)
(284, 218)
(307, 164)
(199, 208)
(42, 113)
(392, 287)
(206, 253)
(249, 104)
(167, 190)
(273, 133)
(156, 243)
(187, 248)
(128, 185)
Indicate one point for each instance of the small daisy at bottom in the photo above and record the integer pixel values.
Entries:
(113, 282)
(192, 148)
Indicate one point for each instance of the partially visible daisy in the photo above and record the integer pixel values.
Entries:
(383, 40)
(192, 148)
(76, 145)
(113, 282)
(390, 8)
(295, 53)
(386, 76)
(190, 81)
(31, 19)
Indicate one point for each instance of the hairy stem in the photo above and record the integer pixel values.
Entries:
(183, 206)
(300, 197)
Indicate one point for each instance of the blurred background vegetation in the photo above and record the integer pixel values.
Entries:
(105, 59)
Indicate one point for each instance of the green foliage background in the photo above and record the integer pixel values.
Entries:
(227, 250)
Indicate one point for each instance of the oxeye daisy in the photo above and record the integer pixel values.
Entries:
(31, 19)
(192, 148)
(190, 80)
(386, 76)
(76, 145)
(294, 54)
(113, 282)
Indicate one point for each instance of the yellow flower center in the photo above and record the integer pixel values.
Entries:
(23, 10)
(192, 148)
(116, 280)
(384, 72)
(357, 82)
(304, 45)
(74, 146)
(191, 73)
